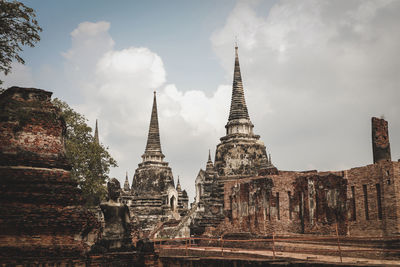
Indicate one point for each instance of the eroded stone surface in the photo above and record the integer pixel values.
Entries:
(41, 212)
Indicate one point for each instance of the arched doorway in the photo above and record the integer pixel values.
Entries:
(172, 203)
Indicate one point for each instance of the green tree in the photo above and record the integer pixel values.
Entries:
(90, 160)
(18, 27)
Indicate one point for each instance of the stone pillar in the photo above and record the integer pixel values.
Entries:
(380, 140)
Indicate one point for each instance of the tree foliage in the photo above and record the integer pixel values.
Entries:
(90, 160)
(18, 27)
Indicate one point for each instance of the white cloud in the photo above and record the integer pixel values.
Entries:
(116, 87)
(322, 68)
(314, 73)
(203, 114)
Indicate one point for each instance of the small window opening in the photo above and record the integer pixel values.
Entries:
(366, 202)
(353, 197)
(379, 201)
(290, 204)
(277, 205)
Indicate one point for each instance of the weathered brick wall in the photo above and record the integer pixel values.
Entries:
(313, 202)
(41, 213)
(371, 216)
(290, 202)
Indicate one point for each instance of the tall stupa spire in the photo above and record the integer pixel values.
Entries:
(238, 103)
(239, 120)
(210, 165)
(96, 134)
(153, 147)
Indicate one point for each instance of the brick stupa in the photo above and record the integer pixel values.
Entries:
(41, 212)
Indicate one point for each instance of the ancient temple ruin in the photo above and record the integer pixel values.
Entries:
(153, 198)
(240, 152)
(41, 211)
(257, 197)
(42, 216)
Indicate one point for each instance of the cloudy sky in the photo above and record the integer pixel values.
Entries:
(314, 74)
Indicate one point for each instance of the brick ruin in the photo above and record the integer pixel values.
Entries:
(208, 204)
(260, 199)
(41, 212)
(42, 217)
(240, 152)
(153, 199)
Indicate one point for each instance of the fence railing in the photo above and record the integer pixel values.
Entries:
(323, 245)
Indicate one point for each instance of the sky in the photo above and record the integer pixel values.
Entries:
(314, 73)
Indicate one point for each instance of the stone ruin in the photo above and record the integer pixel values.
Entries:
(42, 217)
(41, 212)
(258, 198)
(153, 199)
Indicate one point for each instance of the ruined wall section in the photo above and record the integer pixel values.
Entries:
(210, 208)
(32, 132)
(41, 213)
(287, 203)
(373, 193)
(380, 140)
(149, 196)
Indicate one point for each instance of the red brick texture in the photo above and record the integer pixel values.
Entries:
(41, 213)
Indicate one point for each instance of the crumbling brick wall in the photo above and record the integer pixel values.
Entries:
(290, 202)
(373, 193)
(41, 212)
(363, 201)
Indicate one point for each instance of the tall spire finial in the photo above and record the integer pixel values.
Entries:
(178, 185)
(126, 184)
(153, 138)
(153, 152)
(238, 104)
(96, 134)
(210, 165)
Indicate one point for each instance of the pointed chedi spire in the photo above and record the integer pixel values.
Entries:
(238, 103)
(239, 120)
(96, 134)
(153, 147)
(210, 165)
(126, 184)
(178, 185)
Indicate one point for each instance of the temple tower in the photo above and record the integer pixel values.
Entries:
(154, 197)
(183, 199)
(240, 152)
(126, 184)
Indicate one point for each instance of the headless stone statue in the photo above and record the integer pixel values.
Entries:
(116, 234)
